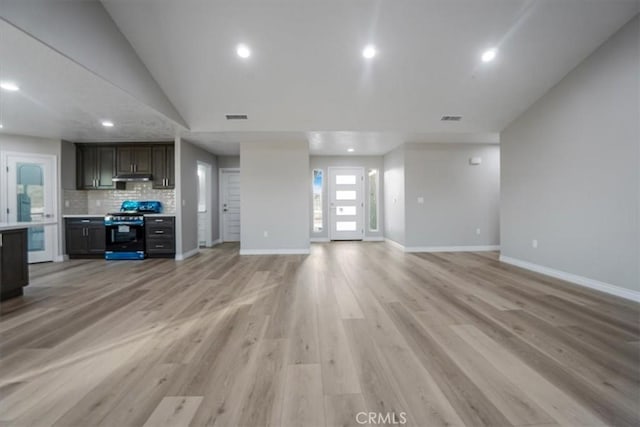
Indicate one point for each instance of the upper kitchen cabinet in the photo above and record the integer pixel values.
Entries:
(134, 160)
(163, 167)
(96, 167)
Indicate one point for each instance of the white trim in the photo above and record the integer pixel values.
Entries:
(61, 258)
(574, 278)
(275, 251)
(319, 239)
(373, 239)
(394, 244)
(188, 254)
(216, 242)
(208, 205)
(452, 248)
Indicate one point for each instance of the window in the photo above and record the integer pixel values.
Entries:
(373, 199)
(318, 180)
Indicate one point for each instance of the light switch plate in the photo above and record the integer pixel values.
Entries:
(421, 200)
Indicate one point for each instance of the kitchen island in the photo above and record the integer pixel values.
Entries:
(14, 267)
(14, 260)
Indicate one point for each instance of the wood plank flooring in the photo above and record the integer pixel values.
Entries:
(319, 340)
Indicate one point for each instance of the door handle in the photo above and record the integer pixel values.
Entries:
(225, 210)
(48, 216)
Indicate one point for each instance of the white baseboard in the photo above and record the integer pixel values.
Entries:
(394, 244)
(61, 258)
(188, 254)
(275, 251)
(319, 239)
(574, 278)
(482, 248)
(215, 242)
(373, 239)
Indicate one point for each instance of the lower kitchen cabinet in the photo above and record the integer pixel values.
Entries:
(85, 237)
(14, 263)
(160, 236)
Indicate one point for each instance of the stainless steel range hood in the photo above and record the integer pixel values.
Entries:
(130, 177)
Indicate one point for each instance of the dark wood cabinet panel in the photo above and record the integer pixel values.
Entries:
(160, 240)
(136, 160)
(96, 167)
(14, 267)
(163, 167)
(106, 169)
(85, 237)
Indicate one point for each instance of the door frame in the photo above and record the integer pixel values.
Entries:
(208, 205)
(331, 212)
(51, 231)
(220, 200)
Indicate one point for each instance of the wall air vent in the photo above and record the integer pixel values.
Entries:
(451, 118)
(236, 117)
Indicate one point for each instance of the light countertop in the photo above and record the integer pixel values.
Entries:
(6, 226)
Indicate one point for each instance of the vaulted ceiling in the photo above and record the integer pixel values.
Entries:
(306, 77)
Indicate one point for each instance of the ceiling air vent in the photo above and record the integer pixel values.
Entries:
(451, 118)
(236, 117)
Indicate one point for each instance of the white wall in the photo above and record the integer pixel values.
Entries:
(458, 198)
(228, 162)
(365, 162)
(85, 32)
(189, 156)
(274, 197)
(570, 170)
(393, 200)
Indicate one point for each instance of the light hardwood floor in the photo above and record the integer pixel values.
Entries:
(222, 339)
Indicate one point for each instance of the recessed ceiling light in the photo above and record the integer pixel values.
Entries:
(107, 123)
(350, 150)
(369, 51)
(243, 51)
(10, 86)
(489, 55)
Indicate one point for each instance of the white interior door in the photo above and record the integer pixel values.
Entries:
(230, 201)
(31, 197)
(346, 203)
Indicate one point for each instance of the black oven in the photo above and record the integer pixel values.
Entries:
(124, 236)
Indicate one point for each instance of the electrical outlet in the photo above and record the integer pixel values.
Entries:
(534, 243)
(478, 231)
(266, 233)
(421, 200)
(66, 203)
(98, 203)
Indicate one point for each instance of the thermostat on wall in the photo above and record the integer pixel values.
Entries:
(475, 161)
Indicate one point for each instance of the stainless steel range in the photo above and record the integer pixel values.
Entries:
(125, 230)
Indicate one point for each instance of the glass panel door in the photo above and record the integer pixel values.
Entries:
(346, 207)
(31, 196)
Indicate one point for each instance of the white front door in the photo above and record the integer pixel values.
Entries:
(230, 201)
(346, 206)
(31, 197)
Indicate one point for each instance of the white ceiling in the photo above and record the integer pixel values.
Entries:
(306, 79)
(307, 76)
(61, 99)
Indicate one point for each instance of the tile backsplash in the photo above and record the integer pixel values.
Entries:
(103, 201)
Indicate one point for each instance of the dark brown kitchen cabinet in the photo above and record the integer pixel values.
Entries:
(160, 236)
(134, 160)
(163, 167)
(14, 267)
(85, 237)
(96, 167)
